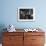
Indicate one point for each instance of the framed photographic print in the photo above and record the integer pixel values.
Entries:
(26, 14)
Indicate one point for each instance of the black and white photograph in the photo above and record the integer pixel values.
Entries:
(26, 14)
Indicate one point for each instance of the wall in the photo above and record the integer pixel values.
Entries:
(8, 13)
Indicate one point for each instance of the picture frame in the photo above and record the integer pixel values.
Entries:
(26, 14)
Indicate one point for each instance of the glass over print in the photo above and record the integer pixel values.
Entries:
(26, 14)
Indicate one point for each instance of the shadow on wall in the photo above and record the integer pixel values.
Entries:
(2, 26)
